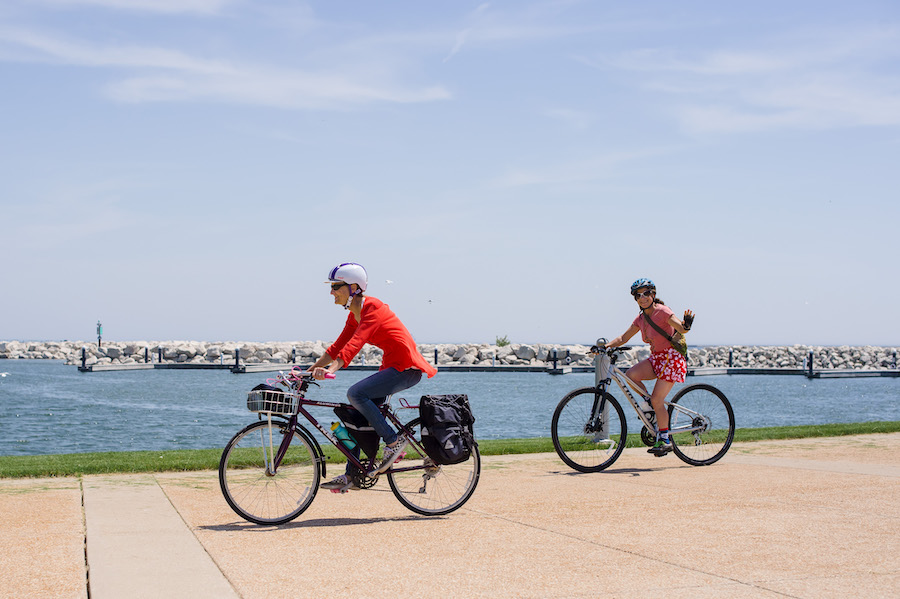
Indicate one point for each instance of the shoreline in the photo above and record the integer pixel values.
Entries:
(185, 460)
(842, 357)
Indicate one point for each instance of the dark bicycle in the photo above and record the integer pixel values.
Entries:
(270, 471)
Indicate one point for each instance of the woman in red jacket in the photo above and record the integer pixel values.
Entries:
(371, 321)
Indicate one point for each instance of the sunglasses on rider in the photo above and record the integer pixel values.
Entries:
(336, 286)
(640, 294)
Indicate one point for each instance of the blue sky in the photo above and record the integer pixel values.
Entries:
(191, 169)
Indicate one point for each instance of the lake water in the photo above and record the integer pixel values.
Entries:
(47, 407)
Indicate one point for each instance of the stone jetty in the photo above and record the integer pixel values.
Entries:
(449, 354)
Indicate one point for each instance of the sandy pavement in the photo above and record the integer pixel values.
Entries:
(812, 518)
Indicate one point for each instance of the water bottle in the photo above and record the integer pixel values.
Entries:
(343, 436)
(644, 405)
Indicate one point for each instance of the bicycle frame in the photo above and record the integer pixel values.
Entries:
(299, 394)
(610, 372)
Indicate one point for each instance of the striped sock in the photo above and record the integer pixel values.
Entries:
(664, 434)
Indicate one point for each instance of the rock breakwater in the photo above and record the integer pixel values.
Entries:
(471, 354)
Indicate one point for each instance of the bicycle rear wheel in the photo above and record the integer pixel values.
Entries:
(249, 487)
(701, 424)
(436, 489)
(585, 443)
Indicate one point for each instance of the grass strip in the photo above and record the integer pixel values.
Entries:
(77, 464)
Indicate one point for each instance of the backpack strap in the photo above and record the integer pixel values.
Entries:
(658, 330)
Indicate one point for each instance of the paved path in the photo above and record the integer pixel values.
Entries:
(811, 518)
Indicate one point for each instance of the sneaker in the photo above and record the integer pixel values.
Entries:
(661, 447)
(339, 484)
(389, 456)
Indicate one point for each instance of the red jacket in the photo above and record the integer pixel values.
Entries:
(380, 327)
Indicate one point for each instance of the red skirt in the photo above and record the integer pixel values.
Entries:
(669, 365)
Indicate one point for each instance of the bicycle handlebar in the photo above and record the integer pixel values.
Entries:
(293, 376)
(599, 348)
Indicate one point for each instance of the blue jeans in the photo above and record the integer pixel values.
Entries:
(369, 393)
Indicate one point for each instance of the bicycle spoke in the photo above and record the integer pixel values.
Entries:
(701, 424)
(589, 430)
(431, 489)
(250, 488)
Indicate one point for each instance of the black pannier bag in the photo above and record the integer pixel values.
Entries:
(447, 434)
(359, 429)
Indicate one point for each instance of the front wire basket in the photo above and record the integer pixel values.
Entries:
(272, 402)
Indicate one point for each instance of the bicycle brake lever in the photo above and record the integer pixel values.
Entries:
(599, 347)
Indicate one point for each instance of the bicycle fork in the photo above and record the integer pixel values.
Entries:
(598, 424)
(272, 457)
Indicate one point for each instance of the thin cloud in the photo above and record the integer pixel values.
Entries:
(283, 89)
(204, 7)
(811, 102)
(489, 26)
(44, 48)
(460, 42)
(816, 80)
(163, 75)
(463, 35)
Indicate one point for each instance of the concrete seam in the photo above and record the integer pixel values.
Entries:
(194, 534)
(87, 566)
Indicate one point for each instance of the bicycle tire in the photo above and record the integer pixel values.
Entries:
(433, 491)
(251, 491)
(584, 445)
(715, 419)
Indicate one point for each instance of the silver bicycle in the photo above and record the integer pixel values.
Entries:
(590, 432)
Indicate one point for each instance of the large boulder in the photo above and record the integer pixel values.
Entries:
(462, 351)
(526, 352)
(504, 352)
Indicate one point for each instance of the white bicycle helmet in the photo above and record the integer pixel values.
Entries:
(349, 272)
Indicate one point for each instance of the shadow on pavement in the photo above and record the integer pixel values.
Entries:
(317, 523)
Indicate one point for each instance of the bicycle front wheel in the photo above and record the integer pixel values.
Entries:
(589, 430)
(249, 486)
(435, 489)
(701, 424)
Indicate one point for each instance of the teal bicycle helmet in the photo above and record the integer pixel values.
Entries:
(642, 283)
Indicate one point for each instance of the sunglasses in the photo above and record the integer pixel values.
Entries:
(639, 295)
(336, 286)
